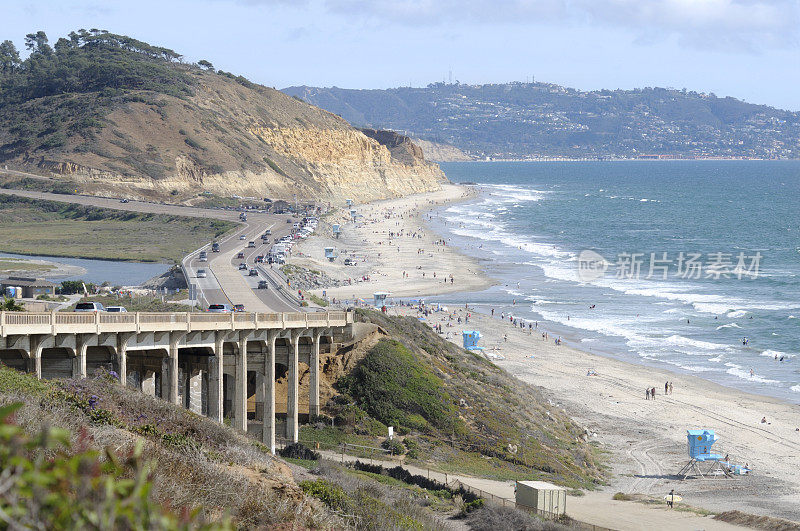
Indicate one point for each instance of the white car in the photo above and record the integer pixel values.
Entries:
(89, 307)
(201, 273)
(242, 237)
(116, 309)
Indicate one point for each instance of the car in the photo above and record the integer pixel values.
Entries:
(259, 259)
(214, 247)
(242, 266)
(254, 272)
(263, 284)
(289, 220)
(202, 257)
(238, 307)
(251, 245)
(201, 273)
(349, 261)
(268, 232)
(240, 255)
(220, 308)
(116, 309)
(89, 307)
(242, 237)
(124, 201)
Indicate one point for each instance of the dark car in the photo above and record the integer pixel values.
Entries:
(242, 266)
(254, 272)
(263, 284)
(240, 255)
(238, 307)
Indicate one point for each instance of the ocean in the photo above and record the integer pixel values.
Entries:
(688, 265)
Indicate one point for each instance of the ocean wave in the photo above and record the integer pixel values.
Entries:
(729, 325)
(795, 388)
(682, 341)
(736, 314)
(739, 372)
(776, 354)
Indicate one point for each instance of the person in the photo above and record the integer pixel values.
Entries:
(647, 394)
(670, 387)
(763, 420)
(653, 393)
(666, 387)
(505, 337)
(671, 498)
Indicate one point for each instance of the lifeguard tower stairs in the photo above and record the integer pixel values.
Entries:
(702, 463)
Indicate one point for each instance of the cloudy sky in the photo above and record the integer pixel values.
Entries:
(748, 49)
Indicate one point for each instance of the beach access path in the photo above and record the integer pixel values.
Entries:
(593, 508)
(646, 439)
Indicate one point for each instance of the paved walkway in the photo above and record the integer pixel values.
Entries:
(595, 508)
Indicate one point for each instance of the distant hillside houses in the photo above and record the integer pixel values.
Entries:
(543, 120)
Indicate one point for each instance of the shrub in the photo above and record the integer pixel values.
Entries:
(298, 451)
(78, 490)
(394, 446)
(331, 495)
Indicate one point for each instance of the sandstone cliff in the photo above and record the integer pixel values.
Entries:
(229, 137)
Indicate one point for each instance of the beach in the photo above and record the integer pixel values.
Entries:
(646, 439)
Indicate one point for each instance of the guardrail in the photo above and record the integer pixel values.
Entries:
(23, 323)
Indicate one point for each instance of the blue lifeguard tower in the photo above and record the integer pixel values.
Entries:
(337, 230)
(471, 338)
(702, 462)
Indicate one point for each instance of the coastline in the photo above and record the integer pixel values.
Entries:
(646, 439)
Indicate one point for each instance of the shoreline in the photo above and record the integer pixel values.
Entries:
(647, 440)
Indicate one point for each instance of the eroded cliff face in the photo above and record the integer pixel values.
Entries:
(231, 139)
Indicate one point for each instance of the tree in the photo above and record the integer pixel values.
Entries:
(11, 305)
(9, 57)
(37, 43)
(205, 64)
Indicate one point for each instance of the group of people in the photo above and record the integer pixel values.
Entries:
(650, 392)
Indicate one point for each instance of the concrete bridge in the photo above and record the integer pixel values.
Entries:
(225, 366)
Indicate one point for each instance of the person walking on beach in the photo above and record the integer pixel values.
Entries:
(492, 312)
(505, 337)
(647, 394)
(670, 388)
(666, 388)
(653, 393)
(671, 498)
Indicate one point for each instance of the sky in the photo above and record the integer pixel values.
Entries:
(748, 49)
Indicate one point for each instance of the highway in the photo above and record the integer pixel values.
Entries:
(224, 283)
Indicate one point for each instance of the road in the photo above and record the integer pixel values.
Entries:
(224, 283)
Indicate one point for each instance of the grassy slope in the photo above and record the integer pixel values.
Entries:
(417, 384)
(198, 463)
(58, 229)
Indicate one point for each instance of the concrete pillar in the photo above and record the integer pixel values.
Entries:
(292, 423)
(313, 377)
(35, 353)
(81, 345)
(268, 430)
(149, 383)
(215, 379)
(194, 390)
(240, 398)
(122, 358)
(172, 376)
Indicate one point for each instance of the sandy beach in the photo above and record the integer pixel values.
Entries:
(646, 439)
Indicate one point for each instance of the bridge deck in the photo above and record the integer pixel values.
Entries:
(24, 323)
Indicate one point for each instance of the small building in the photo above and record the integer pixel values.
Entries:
(337, 230)
(541, 497)
(471, 338)
(31, 287)
(330, 253)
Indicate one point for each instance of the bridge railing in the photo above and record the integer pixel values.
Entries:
(23, 323)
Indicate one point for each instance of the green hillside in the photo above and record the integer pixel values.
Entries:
(520, 120)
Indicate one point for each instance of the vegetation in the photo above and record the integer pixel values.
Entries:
(49, 484)
(63, 229)
(517, 120)
(195, 468)
(454, 411)
(11, 305)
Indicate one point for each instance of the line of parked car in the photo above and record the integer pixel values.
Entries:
(98, 307)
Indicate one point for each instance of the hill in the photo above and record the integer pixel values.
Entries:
(121, 116)
(453, 410)
(539, 120)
